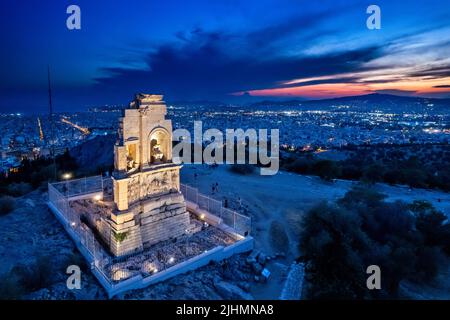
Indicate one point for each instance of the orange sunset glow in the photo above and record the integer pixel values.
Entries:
(367, 83)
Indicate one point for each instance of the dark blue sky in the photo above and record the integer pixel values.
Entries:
(219, 50)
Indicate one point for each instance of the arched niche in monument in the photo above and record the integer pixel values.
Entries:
(132, 156)
(159, 140)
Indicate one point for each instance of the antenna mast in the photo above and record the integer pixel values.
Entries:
(52, 126)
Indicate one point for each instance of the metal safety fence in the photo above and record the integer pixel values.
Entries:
(60, 193)
(59, 198)
(239, 222)
(77, 187)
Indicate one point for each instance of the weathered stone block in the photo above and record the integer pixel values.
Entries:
(122, 217)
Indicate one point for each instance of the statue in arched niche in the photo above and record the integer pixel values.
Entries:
(159, 145)
(157, 152)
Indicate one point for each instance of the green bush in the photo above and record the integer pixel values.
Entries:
(327, 169)
(278, 237)
(301, 165)
(243, 169)
(10, 287)
(76, 259)
(421, 206)
(19, 189)
(434, 227)
(7, 204)
(374, 173)
(374, 164)
(339, 241)
(36, 276)
(120, 236)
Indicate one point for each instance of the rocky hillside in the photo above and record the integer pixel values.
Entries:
(95, 153)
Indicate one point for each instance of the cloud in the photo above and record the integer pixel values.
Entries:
(433, 72)
(214, 65)
(200, 64)
(442, 86)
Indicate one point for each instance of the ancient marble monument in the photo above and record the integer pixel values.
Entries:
(148, 204)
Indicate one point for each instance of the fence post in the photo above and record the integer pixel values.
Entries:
(94, 254)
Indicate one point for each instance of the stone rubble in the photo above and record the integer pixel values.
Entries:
(294, 283)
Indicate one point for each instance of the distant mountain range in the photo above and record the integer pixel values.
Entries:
(362, 103)
(369, 102)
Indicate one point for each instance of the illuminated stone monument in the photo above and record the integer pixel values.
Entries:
(149, 206)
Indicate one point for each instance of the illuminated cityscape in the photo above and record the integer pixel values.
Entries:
(300, 127)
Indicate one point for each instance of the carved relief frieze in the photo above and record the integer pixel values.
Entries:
(133, 189)
(153, 183)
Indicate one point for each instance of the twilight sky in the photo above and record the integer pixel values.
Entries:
(219, 50)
